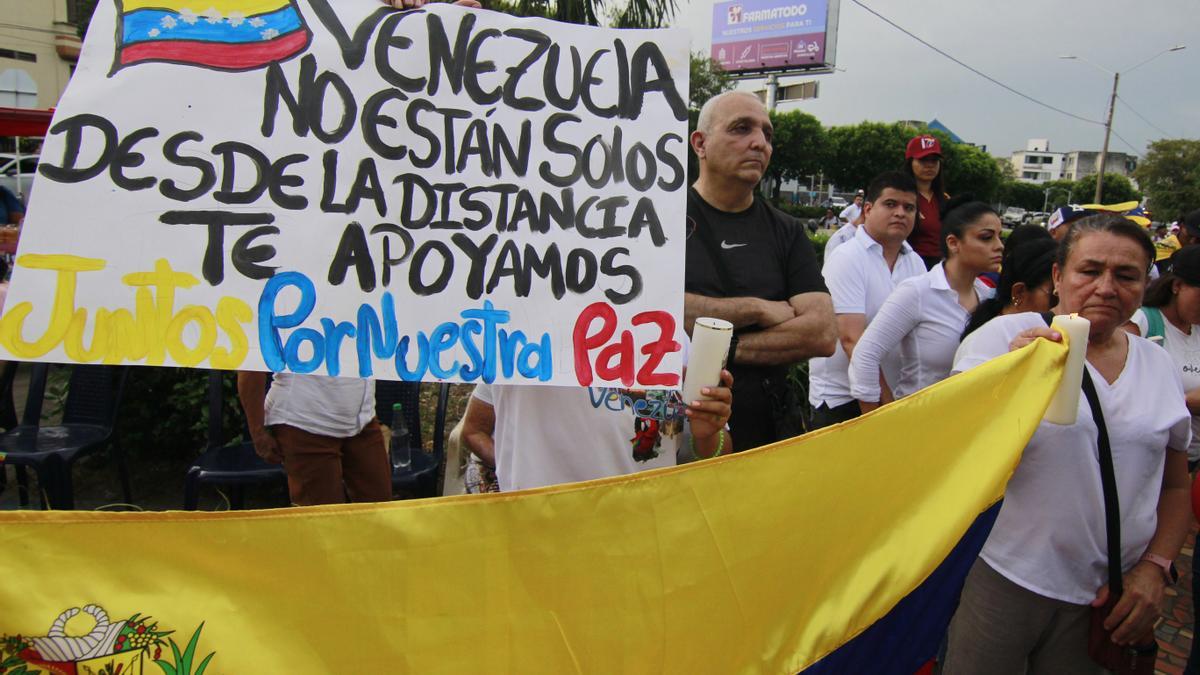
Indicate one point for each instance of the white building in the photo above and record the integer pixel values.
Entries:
(1036, 164)
(1082, 163)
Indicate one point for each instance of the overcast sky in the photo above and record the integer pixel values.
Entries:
(889, 76)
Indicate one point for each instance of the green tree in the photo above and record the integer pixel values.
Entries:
(1117, 189)
(1063, 192)
(969, 170)
(707, 79)
(799, 147)
(1170, 175)
(859, 152)
(1021, 194)
(633, 14)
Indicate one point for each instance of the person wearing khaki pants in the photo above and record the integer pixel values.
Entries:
(324, 432)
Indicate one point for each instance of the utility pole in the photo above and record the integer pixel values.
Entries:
(1112, 103)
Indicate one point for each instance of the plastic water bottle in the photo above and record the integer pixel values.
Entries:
(400, 449)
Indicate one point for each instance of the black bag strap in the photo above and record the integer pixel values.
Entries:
(704, 231)
(1108, 481)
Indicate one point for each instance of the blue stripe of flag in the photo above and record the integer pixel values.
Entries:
(907, 637)
(139, 24)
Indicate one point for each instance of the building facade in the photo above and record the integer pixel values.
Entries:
(1081, 163)
(38, 51)
(1036, 163)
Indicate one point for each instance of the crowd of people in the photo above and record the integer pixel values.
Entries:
(914, 286)
(884, 317)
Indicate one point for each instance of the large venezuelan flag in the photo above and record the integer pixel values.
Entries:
(839, 552)
(220, 34)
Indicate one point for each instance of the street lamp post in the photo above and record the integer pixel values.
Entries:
(1112, 103)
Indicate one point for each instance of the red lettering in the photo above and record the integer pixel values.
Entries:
(622, 351)
(665, 344)
(584, 343)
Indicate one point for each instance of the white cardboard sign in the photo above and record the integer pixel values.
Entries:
(336, 187)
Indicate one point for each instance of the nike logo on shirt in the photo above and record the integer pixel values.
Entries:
(726, 245)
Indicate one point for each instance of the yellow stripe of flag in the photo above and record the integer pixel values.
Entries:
(756, 563)
(201, 7)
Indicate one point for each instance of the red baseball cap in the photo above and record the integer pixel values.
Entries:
(923, 146)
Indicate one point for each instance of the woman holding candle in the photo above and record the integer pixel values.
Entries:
(1027, 601)
(925, 315)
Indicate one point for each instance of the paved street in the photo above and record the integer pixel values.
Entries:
(1175, 632)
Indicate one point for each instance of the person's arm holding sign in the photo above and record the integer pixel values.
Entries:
(252, 391)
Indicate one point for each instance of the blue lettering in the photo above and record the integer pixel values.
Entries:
(491, 317)
(422, 358)
(334, 334)
(269, 340)
(442, 338)
(472, 372)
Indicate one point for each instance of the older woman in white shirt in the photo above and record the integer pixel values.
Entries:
(925, 316)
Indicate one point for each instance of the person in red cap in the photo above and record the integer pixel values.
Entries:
(923, 161)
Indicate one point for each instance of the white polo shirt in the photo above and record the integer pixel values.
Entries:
(844, 234)
(924, 318)
(859, 282)
(850, 213)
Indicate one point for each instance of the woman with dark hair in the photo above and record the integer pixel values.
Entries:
(1025, 284)
(925, 315)
(1170, 315)
(923, 162)
(1028, 600)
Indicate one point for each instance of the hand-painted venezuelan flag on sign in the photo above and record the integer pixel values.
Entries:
(839, 552)
(220, 34)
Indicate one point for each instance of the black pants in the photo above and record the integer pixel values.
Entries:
(824, 416)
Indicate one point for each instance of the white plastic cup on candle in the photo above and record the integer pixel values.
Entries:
(710, 346)
(1064, 407)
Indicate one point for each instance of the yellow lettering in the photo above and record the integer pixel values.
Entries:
(68, 268)
(190, 357)
(231, 314)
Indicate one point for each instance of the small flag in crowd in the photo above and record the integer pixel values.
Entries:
(218, 34)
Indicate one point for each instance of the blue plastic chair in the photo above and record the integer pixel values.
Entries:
(94, 394)
(234, 465)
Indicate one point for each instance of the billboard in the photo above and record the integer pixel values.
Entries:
(755, 36)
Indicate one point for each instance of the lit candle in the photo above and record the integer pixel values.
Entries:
(1064, 407)
(706, 358)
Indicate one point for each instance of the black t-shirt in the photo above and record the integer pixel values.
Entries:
(767, 255)
(766, 251)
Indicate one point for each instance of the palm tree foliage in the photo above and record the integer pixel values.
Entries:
(622, 14)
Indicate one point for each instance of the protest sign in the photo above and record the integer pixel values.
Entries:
(346, 189)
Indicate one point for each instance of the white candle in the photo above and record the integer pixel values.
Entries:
(706, 358)
(1064, 407)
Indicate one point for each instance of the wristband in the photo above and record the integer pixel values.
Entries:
(1170, 575)
(720, 444)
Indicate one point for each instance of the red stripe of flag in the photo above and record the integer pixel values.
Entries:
(217, 54)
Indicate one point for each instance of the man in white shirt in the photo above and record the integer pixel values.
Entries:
(852, 210)
(860, 276)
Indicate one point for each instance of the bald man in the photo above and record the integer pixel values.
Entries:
(752, 265)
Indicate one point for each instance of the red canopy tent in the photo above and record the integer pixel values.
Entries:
(24, 121)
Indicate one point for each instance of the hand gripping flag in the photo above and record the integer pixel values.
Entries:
(842, 551)
(218, 34)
